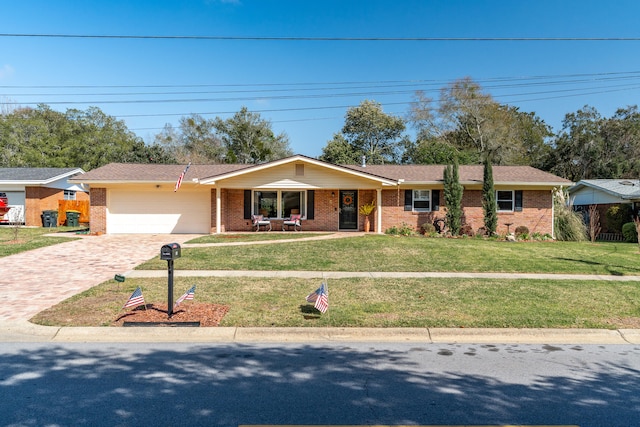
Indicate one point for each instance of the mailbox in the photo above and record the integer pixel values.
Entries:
(170, 252)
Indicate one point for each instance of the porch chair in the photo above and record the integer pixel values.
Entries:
(294, 221)
(259, 220)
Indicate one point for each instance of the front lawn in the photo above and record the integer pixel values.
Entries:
(366, 302)
(14, 241)
(388, 253)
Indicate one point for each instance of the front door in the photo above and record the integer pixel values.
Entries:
(348, 209)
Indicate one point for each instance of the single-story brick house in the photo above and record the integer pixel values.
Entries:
(137, 198)
(33, 190)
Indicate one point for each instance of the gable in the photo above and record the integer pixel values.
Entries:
(297, 175)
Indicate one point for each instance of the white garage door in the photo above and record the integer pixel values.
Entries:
(146, 211)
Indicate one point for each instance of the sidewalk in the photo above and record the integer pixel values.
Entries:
(35, 280)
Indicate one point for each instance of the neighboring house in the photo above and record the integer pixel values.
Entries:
(137, 198)
(605, 193)
(33, 190)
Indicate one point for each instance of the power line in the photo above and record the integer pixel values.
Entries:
(319, 39)
(300, 96)
(630, 74)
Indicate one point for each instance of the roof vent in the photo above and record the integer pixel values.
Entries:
(364, 161)
(626, 183)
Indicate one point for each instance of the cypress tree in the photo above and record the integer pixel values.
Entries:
(453, 198)
(489, 200)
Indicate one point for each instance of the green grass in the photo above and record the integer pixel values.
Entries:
(469, 303)
(367, 302)
(253, 237)
(389, 253)
(30, 238)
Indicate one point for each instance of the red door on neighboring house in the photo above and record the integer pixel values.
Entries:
(348, 210)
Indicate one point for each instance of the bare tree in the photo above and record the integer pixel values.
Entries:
(594, 222)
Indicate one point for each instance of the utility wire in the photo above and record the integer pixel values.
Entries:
(298, 97)
(339, 39)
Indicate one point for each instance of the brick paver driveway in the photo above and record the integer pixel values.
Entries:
(35, 280)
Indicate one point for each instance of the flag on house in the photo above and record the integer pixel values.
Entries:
(135, 299)
(179, 182)
(320, 298)
(187, 295)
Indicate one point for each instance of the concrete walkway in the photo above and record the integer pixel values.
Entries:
(35, 280)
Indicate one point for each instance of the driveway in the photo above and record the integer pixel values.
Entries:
(35, 280)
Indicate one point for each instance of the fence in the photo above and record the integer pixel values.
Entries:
(81, 206)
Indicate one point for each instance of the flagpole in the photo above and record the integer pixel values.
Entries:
(145, 303)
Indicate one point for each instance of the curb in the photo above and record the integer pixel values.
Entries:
(29, 332)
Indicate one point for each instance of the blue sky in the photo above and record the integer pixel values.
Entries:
(303, 86)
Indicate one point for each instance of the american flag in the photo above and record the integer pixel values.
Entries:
(179, 182)
(135, 299)
(187, 295)
(320, 297)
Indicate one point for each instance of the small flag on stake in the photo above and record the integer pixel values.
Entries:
(187, 295)
(320, 298)
(181, 177)
(135, 299)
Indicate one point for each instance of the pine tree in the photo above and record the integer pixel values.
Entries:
(489, 199)
(453, 198)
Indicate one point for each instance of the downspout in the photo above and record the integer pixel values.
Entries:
(218, 214)
(553, 216)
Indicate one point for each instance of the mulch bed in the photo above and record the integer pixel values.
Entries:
(205, 313)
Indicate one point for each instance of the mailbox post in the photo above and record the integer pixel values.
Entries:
(169, 253)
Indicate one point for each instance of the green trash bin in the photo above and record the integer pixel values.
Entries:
(73, 218)
(49, 218)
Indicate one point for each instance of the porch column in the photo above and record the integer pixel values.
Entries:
(379, 211)
(218, 215)
(553, 216)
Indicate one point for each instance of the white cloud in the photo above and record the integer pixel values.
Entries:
(6, 71)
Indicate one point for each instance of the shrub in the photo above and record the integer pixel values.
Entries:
(568, 225)
(428, 228)
(521, 230)
(617, 216)
(404, 230)
(466, 230)
(629, 232)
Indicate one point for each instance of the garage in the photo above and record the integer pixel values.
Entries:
(154, 210)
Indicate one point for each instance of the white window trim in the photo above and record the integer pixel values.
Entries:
(69, 194)
(413, 201)
(513, 201)
(279, 203)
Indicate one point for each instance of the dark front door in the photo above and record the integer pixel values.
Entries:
(348, 210)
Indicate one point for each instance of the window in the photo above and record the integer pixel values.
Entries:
(266, 203)
(292, 203)
(505, 200)
(69, 195)
(278, 204)
(422, 200)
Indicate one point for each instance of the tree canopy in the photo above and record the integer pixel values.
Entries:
(469, 124)
(42, 137)
(248, 138)
(590, 146)
(368, 132)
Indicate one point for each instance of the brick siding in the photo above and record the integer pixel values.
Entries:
(535, 215)
(98, 210)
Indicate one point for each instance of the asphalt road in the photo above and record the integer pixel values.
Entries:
(176, 384)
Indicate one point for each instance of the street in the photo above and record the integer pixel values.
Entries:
(169, 384)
